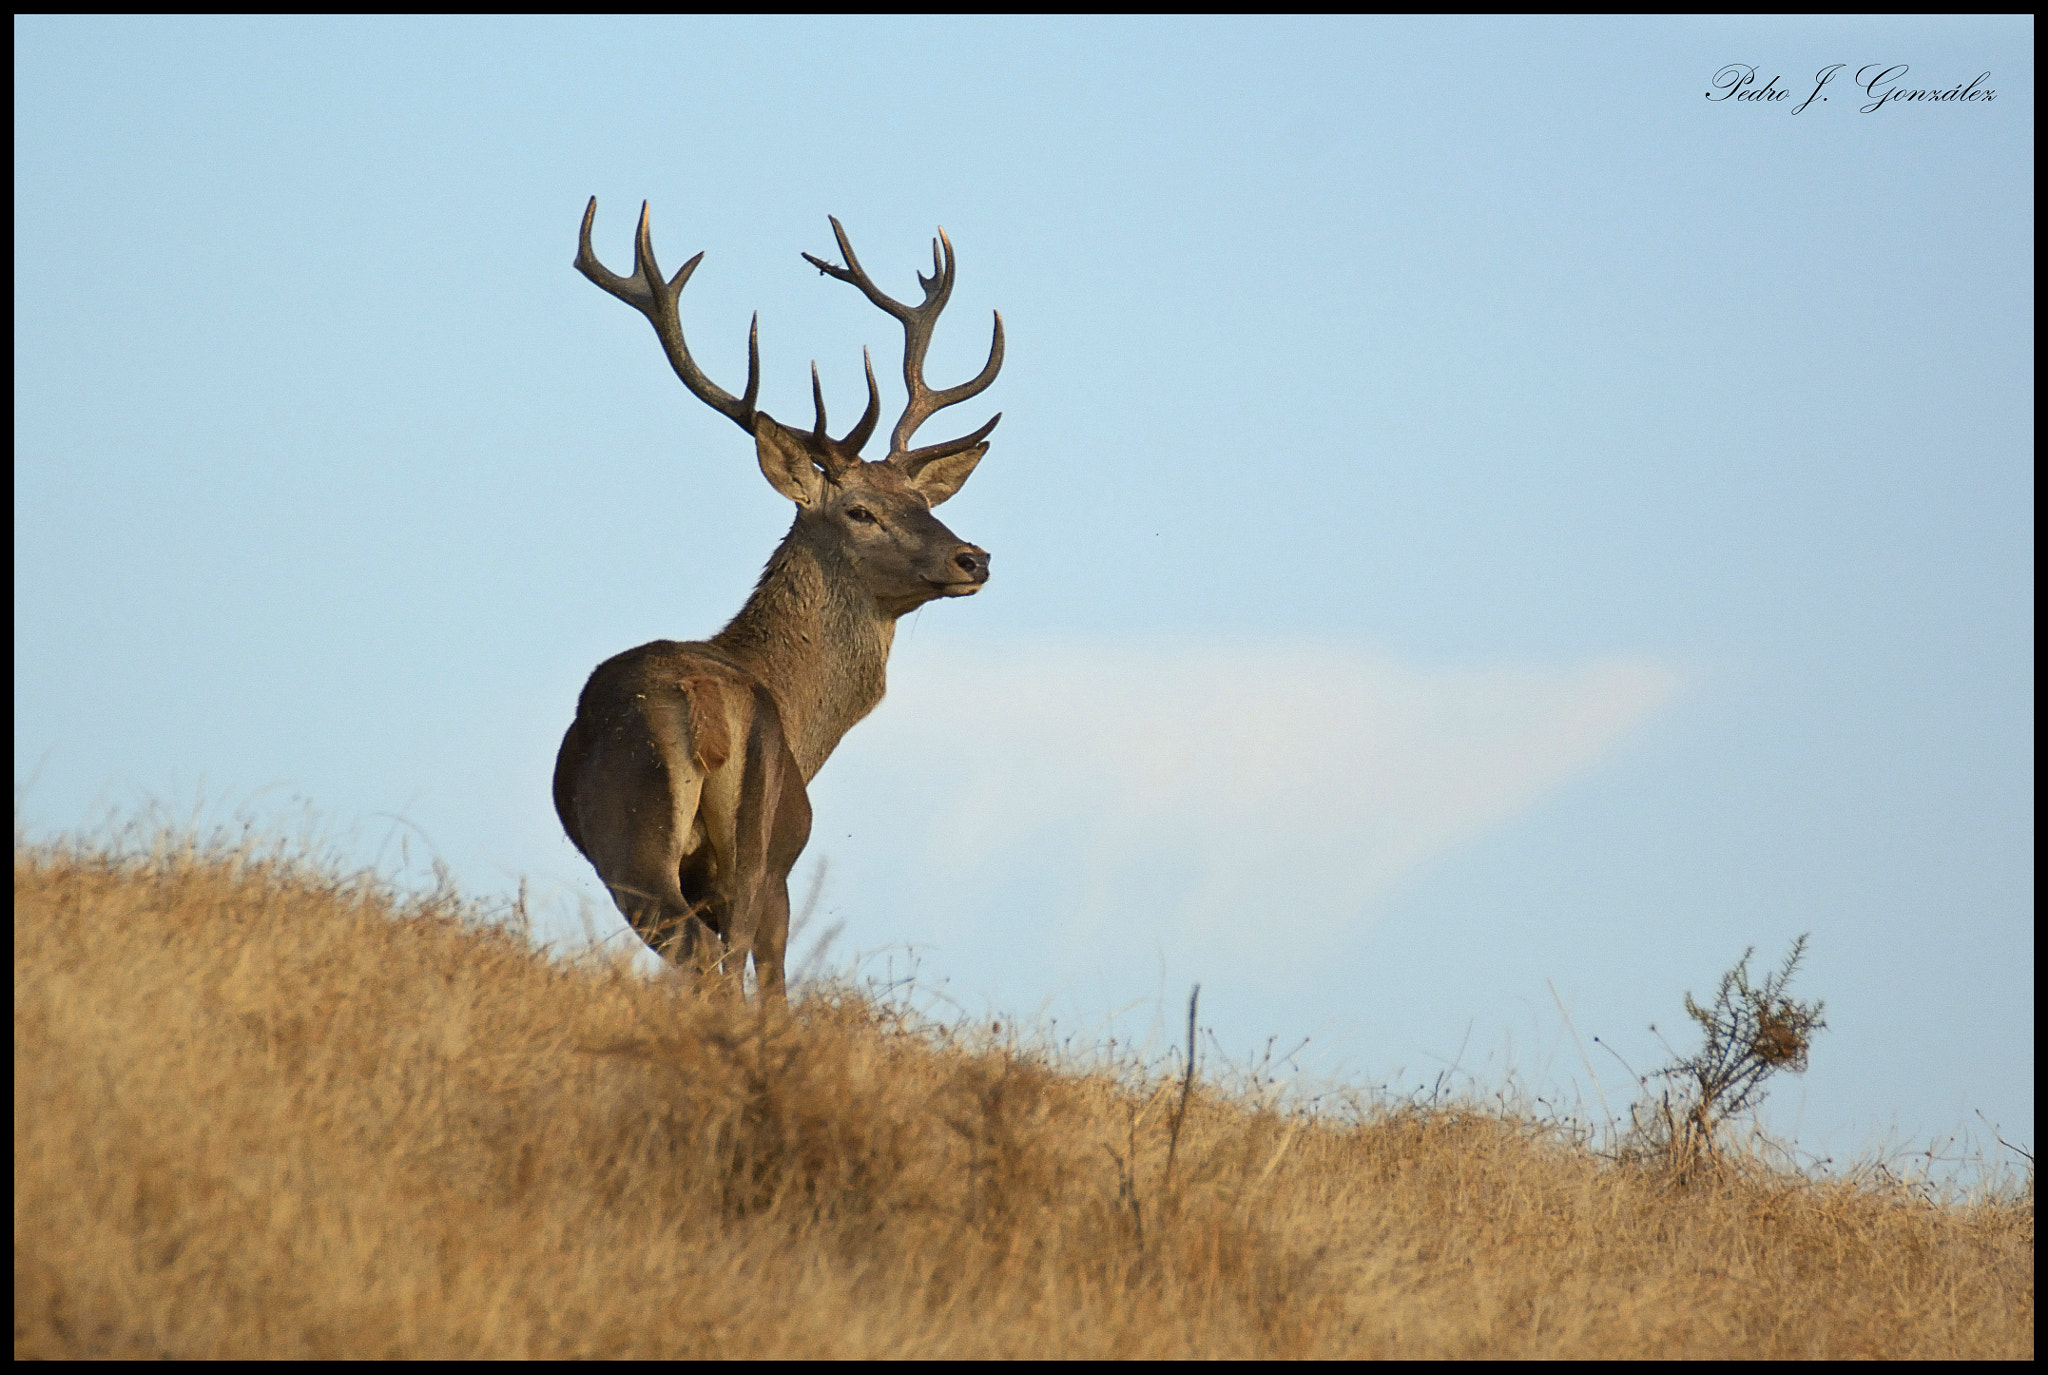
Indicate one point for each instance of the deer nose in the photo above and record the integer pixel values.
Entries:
(973, 562)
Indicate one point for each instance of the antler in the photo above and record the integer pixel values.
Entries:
(647, 293)
(917, 337)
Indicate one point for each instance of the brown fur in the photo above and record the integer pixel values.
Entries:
(712, 741)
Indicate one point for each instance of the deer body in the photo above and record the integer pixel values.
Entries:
(682, 778)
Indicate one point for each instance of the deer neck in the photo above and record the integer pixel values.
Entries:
(814, 635)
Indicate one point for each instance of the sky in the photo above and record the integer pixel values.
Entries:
(1484, 528)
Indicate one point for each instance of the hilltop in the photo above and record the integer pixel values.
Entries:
(263, 1110)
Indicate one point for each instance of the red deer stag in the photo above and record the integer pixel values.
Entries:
(682, 777)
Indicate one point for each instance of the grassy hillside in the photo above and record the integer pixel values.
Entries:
(260, 1111)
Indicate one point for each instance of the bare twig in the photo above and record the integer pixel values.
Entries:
(1584, 1059)
(2005, 1143)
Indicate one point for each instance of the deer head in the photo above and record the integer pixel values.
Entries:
(875, 516)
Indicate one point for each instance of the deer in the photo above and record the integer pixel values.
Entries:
(683, 777)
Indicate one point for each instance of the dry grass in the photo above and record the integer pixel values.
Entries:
(262, 1112)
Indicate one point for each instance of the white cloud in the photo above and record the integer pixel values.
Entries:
(1185, 791)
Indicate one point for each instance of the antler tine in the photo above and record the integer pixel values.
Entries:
(858, 435)
(918, 322)
(834, 454)
(942, 270)
(853, 272)
(818, 399)
(658, 300)
(914, 461)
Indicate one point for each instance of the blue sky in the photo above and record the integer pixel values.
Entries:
(1473, 516)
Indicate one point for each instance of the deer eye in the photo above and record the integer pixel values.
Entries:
(861, 514)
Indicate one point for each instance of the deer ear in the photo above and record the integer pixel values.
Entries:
(786, 462)
(942, 477)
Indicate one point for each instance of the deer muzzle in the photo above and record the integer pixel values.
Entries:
(969, 566)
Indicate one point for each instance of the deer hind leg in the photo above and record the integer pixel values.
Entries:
(636, 799)
(772, 822)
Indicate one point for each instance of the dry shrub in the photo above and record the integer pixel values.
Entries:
(1749, 1034)
(265, 1112)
